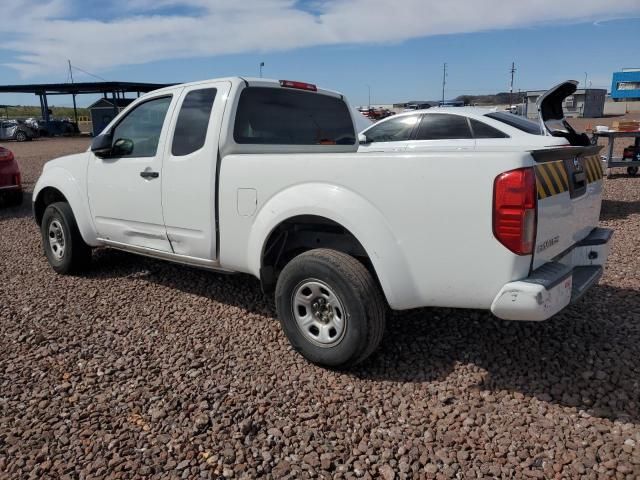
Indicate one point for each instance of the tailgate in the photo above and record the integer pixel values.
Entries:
(569, 184)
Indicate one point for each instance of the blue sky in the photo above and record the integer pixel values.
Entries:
(340, 45)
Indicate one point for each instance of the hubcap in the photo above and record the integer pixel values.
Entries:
(56, 239)
(319, 313)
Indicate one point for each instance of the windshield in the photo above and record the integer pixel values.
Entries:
(516, 121)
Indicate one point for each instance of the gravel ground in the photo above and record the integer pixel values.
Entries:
(142, 368)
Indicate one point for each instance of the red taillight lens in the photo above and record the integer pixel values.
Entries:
(5, 155)
(17, 179)
(514, 210)
(300, 85)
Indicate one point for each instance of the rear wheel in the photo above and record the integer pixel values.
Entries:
(330, 308)
(21, 136)
(633, 171)
(61, 239)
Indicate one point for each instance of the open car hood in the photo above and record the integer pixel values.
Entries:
(551, 113)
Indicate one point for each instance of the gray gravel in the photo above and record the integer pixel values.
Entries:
(141, 368)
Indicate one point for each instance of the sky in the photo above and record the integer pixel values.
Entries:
(393, 49)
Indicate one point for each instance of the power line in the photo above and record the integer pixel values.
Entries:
(88, 73)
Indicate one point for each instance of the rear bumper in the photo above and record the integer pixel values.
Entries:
(556, 284)
(10, 188)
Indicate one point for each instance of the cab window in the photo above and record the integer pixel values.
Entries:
(394, 130)
(280, 116)
(142, 127)
(193, 121)
(442, 126)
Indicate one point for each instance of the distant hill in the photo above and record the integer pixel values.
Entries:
(501, 98)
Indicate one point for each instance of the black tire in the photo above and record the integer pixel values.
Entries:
(21, 136)
(76, 255)
(358, 294)
(632, 171)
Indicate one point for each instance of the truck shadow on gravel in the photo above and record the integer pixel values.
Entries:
(619, 209)
(20, 211)
(586, 358)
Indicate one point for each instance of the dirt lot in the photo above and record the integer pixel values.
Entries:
(140, 368)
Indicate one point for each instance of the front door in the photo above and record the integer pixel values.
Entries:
(125, 189)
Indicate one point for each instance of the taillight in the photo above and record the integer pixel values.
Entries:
(5, 155)
(300, 85)
(17, 180)
(515, 210)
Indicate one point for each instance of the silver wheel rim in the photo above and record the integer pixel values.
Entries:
(56, 239)
(319, 313)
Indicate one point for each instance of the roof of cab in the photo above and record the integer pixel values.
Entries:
(252, 81)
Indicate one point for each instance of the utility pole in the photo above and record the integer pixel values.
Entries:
(513, 71)
(585, 80)
(444, 79)
(261, 65)
(369, 87)
(75, 109)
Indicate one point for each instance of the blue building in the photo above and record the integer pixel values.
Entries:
(625, 85)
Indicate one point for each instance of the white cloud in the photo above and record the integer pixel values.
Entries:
(46, 34)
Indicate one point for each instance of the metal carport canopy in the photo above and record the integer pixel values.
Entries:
(117, 90)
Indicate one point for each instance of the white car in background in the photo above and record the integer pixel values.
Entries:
(473, 128)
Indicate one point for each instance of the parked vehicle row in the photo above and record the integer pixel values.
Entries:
(264, 177)
(17, 130)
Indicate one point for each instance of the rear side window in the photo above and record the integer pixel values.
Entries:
(279, 116)
(193, 120)
(394, 130)
(517, 122)
(441, 126)
(482, 130)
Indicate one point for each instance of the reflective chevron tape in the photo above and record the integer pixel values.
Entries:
(551, 179)
(592, 168)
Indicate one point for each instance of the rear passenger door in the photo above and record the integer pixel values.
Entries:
(189, 170)
(440, 132)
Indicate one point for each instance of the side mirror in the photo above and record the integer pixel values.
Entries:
(122, 147)
(362, 138)
(101, 145)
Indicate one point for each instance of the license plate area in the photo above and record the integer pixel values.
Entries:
(577, 176)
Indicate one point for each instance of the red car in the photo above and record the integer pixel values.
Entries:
(10, 183)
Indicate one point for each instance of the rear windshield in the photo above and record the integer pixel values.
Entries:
(280, 116)
(517, 122)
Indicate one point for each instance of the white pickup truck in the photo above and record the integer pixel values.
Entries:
(263, 177)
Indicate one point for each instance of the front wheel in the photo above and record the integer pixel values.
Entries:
(632, 171)
(61, 239)
(21, 136)
(330, 308)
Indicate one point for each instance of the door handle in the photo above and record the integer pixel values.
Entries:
(148, 174)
